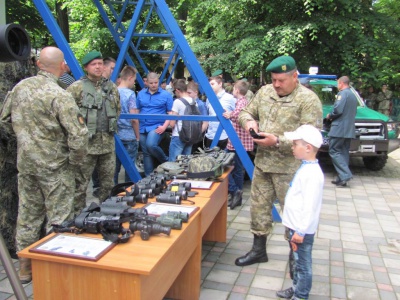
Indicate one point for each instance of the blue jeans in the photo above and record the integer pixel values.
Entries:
(236, 177)
(177, 147)
(339, 152)
(149, 142)
(302, 275)
(132, 148)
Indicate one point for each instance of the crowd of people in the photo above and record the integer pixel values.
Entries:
(381, 101)
(65, 137)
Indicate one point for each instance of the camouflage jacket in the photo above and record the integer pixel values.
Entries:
(384, 99)
(49, 128)
(100, 141)
(276, 115)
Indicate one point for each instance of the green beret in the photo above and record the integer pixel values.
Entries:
(90, 56)
(216, 73)
(282, 64)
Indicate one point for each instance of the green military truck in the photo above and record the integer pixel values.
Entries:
(376, 134)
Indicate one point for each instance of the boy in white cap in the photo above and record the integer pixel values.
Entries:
(302, 208)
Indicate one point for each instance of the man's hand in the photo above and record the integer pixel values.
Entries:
(160, 129)
(297, 239)
(227, 115)
(268, 140)
(251, 124)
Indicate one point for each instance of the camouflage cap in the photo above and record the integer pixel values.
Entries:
(90, 56)
(282, 64)
(216, 73)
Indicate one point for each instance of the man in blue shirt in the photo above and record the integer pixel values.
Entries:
(128, 129)
(153, 100)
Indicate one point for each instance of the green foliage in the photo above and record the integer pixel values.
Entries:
(339, 36)
(25, 14)
(356, 38)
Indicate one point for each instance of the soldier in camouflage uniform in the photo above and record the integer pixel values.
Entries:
(10, 74)
(384, 99)
(98, 100)
(281, 106)
(51, 141)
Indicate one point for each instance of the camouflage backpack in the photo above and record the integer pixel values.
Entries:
(170, 168)
(208, 165)
(204, 167)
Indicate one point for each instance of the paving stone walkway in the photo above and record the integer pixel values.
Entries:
(356, 249)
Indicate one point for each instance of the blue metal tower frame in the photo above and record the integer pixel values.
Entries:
(124, 39)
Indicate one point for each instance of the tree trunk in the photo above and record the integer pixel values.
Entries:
(62, 19)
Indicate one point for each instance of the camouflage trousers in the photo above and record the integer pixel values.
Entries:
(265, 189)
(105, 164)
(41, 196)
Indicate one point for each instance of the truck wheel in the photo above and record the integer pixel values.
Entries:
(375, 163)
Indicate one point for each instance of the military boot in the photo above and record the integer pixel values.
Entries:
(236, 199)
(257, 254)
(25, 270)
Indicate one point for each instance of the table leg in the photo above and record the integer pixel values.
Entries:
(187, 284)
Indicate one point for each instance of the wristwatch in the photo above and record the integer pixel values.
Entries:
(277, 142)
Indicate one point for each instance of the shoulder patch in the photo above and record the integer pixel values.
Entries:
(339, 97)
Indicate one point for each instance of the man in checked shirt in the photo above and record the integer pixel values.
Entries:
(236, 177)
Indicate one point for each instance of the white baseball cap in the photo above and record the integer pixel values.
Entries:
(307, 133)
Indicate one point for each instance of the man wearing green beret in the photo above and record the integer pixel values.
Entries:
(98, 100)
(281, 106)
(217, 73)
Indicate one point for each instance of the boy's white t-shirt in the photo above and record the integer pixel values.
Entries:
(179, 107)
(304, 199)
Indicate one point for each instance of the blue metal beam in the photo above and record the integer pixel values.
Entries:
(170, 22)
(126, 160)
(129, 33)
(117, 40)
(58, 37)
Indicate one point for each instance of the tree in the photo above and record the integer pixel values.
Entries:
(341, 37)
(357, 38)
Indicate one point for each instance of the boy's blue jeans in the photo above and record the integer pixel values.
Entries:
(302, 275)
(177, 147)
(149, 142)
(132, 148)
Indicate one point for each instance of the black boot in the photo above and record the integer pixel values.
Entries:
(230, 197)
(257, 254)
(236, 199)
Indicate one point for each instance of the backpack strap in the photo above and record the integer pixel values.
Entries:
(185, 101)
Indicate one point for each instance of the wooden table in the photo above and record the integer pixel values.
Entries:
(164, 266)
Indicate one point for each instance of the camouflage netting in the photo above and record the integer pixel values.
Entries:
(10, 75)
